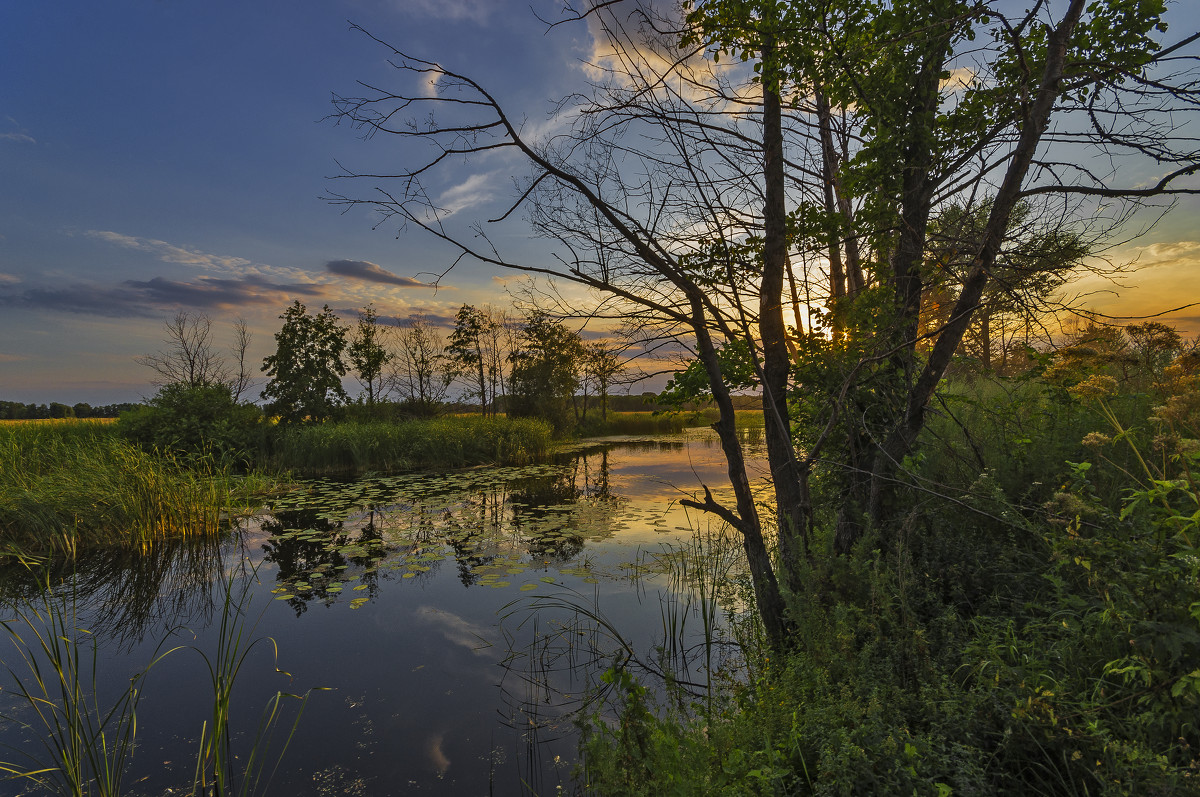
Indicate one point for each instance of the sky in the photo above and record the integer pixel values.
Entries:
(165, 155)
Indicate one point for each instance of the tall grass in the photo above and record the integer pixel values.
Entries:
(86, 742)
(661, 422)
(88, 739)
(450, 442)
(63, 485)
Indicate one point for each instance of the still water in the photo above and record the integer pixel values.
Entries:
(427, 617)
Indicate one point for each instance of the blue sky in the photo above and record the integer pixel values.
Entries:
(170, 154)
(162, 154)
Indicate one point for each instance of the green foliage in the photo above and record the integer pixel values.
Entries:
(1033, 627)
(691, 385)
(306, 369)
(66, 486)
(447, 442)
(195, 424)
(367, 354)
(545, 372)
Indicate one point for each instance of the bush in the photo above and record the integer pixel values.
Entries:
(195, 423)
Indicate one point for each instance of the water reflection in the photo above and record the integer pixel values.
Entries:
(124, 598)
(427, 562)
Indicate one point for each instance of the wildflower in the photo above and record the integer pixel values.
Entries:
(1096, 440)
(1094, 387)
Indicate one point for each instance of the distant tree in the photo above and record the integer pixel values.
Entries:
(306, 369)
(420, 372)
(240, 383)
(601, 365)
(369, 355)
(466, 351)
(545, 370)
(190, 357)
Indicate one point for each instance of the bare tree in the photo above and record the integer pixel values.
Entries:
(190, 357)
(420, 372)
(242, 382)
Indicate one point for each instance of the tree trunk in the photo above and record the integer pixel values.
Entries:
(791, 479)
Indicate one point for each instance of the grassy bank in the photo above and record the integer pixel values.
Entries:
(66, 484)
(363, 446)
(648, 423)
(1030, 624)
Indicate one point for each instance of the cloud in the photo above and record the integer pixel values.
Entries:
(457, 630)
(189, 256)
(370, 272)
(170, 253)
(465, 195)
(9, 279)
(1171, 253)
(148, 299)
(12, 358)
(477, 11)
(210, 292)
(20, 138)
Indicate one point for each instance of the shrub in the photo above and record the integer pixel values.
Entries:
(194, 423)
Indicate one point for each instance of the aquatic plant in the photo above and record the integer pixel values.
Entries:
(88, 742)
(446, 442)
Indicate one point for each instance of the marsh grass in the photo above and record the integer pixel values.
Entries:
(338, 449)
(638, 423)
(88, 739)
(68, 485)
(218, 770)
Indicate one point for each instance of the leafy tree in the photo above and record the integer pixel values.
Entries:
(847, 130)
(474, 351)
(601, 365)
(368, 354)
(306, 369)
(545, 371)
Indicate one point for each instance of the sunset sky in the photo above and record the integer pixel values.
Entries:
(158, 155)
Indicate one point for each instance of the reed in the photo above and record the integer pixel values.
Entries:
(68, 485)
(448, 442)
(87, 743)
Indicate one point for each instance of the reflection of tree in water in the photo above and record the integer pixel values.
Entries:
(471, 532)
(126, 596)
(308, 565)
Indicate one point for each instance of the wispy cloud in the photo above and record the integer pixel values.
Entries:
(20, 138)
(9, 279)
(208, 261)
(468, 194)
(370, 272)
(477, 11)
(1172, 253)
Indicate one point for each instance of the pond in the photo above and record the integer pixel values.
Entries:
(432, 616)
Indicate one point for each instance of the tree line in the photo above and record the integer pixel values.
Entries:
(524, 366)
(17, 411)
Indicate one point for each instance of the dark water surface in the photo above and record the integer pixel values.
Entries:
(424, 608)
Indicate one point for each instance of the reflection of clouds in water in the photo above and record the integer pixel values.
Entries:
(456, 630)
(436, 756)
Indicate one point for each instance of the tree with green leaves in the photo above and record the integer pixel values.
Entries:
(369, 355)
(545, 371)
(305, 372)
(810, 169)
(465, 351)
